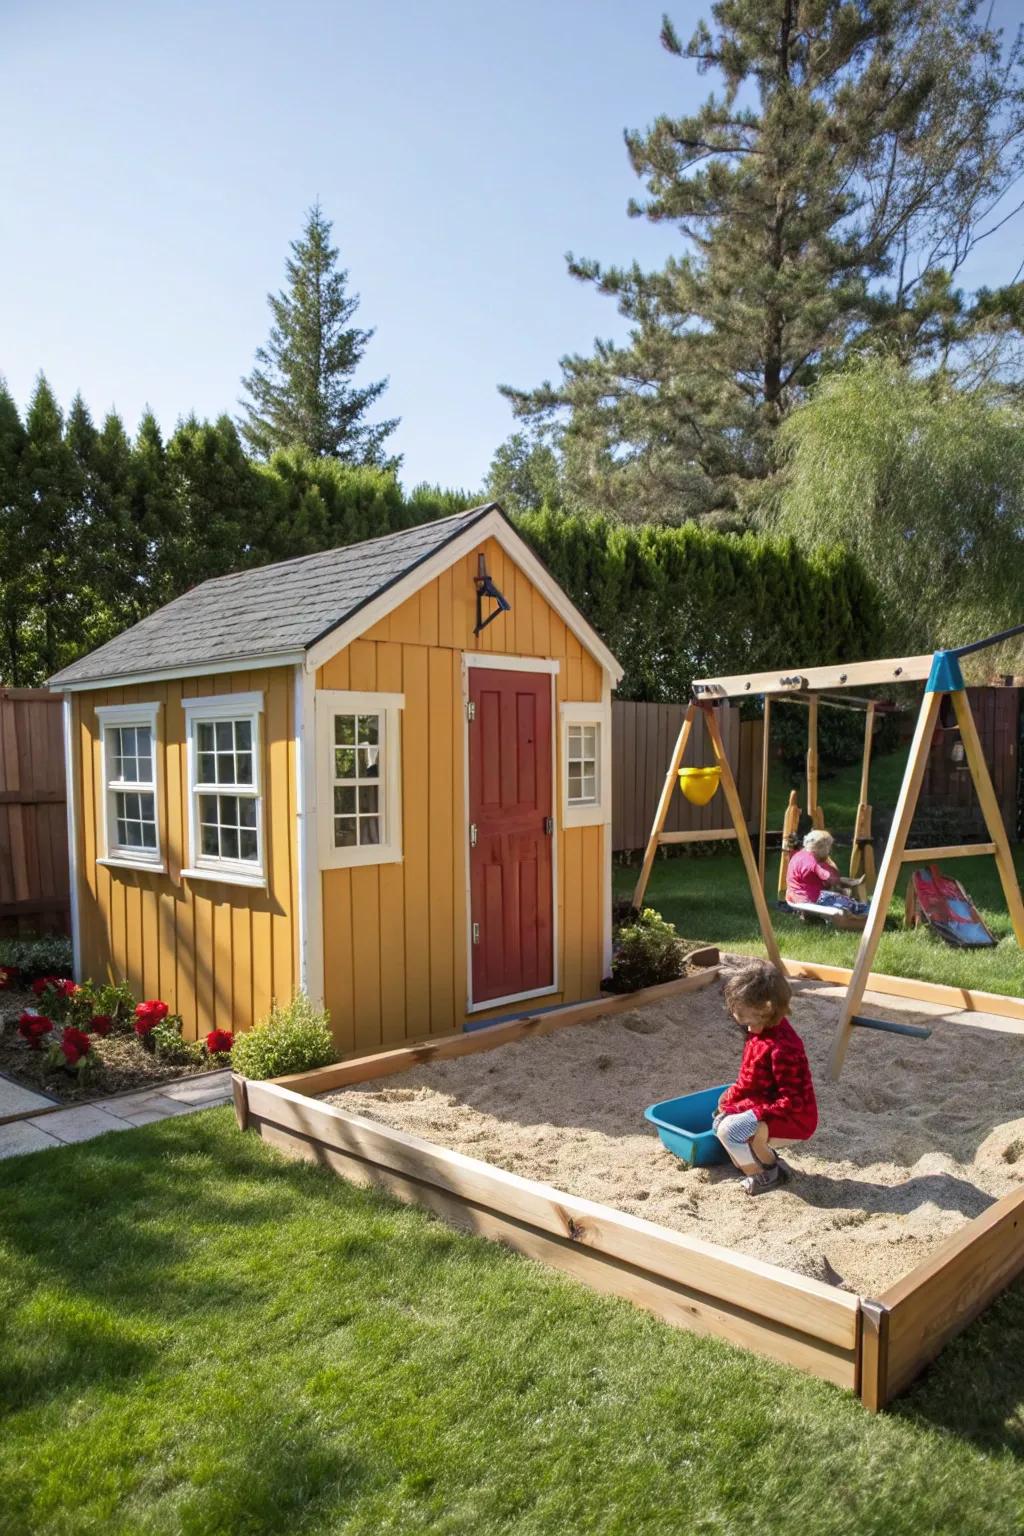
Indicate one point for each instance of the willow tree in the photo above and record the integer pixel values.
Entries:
(827, 194)
(923, 480)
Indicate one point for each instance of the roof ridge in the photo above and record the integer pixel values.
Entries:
(318, 554)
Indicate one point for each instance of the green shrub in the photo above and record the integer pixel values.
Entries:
(168, 1045)
(48, 956)
(647, 951)
(295, 1038)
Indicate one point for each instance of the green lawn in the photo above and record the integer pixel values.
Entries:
(200, 1337)
(709, 900)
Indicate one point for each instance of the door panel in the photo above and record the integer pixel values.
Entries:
(510, 802)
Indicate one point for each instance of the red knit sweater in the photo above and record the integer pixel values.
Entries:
(775, 1082)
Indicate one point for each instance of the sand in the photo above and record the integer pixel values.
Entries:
(917, 1137)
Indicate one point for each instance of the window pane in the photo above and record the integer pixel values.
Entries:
(204, 735)
(575, 781)
(148, 834)
(345, 801)
(143, 740)
(344, 730)
(248, 845)
(590, 741)
(589, 786)
(368, 798)
(225, 735)
(225, 767)
(369, 829)
(243, 735)
(344, 763)
(145, 770)
(210, 841)
(575, 740)
(243, 768)
(246, 811)
(369, 762)
(229, 843)
(369, 726)
(344, 831)
(206, 768)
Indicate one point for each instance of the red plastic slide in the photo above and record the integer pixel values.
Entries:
(942, 904)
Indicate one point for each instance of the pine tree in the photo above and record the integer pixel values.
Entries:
(828, 196)
(13, 598)
(301, 391)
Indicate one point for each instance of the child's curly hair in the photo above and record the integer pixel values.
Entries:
(760, 986)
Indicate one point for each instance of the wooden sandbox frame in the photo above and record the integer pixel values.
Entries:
(873, 1347)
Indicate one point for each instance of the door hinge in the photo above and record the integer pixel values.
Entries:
(470, 709)
(472, 834)
(549, 825)
(476, 933)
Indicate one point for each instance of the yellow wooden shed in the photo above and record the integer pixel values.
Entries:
(381, 774)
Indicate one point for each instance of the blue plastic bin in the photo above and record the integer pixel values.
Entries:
(684, 1126)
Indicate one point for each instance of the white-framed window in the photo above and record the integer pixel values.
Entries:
(131, 822)
(224, 789)
(586, 764)
(359, 777)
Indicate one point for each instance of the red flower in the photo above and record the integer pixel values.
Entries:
(74, 1044)
(219, 1041)
(32, 1027)
(148, 1015)
(41, 983)
(65, 988)
(101, 1024)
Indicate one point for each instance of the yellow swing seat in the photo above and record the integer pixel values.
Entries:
(699, 784)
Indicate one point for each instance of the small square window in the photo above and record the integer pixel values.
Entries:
(359, 777)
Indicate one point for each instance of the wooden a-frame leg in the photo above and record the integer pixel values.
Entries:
(814, 810)
(762, 827)
(732, 799)
(790, 826)
(862, 857)
(990, 810)
(661, 813)
(887, 876)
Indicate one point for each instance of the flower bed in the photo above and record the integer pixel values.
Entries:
(77, 1042)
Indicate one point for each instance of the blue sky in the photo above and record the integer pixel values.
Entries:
(159, 158)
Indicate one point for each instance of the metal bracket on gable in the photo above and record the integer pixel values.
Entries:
(485, 587)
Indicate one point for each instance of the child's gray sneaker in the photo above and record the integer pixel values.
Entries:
(761, 1183)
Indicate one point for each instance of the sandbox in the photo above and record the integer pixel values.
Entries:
(915, 1139)
(904, 1218)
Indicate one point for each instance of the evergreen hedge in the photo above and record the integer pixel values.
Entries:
(677, 603)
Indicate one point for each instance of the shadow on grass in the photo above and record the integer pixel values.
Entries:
(975, 1390)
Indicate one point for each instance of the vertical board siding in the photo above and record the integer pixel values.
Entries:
(34, 886)
(395, 936)
(997, 716)
(219, 955)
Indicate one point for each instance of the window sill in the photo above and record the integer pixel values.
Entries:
(139, 865)
(353, 858)
(584, 815)
(256, 882)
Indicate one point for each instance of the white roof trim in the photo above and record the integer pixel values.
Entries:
(495, 526)
(196, 669)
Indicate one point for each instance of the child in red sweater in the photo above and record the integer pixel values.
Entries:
(772, 1099)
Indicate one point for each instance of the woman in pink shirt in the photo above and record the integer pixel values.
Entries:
(813, 878)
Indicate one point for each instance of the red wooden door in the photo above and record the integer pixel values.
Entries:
(511, 836)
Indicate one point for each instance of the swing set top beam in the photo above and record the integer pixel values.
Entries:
(855, 674)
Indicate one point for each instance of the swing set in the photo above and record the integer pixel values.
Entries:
(943, 678)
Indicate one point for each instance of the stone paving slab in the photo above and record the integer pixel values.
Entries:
(21, 1137)
(80, 1123)
(15, 1099)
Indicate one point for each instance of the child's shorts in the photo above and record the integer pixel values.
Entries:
(736, 1131)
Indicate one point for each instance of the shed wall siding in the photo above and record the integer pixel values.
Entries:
(395, 934)
(217, 954)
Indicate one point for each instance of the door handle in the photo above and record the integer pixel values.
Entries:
(549, 825)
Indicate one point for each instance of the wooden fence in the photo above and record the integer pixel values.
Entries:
(947, 780)
(34, 894)
(643, 736)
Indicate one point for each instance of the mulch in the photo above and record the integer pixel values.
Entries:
(118, 1064)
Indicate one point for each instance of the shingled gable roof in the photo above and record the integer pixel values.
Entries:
(277, 613)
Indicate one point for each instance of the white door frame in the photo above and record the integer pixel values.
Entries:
(534, 664)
